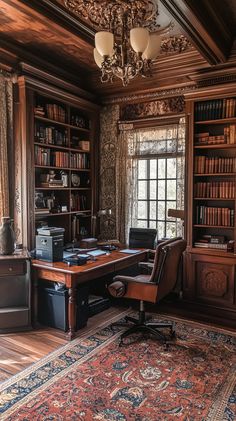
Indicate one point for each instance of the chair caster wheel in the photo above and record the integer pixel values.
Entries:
(173, 335)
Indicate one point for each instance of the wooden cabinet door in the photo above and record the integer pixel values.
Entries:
(210, 280)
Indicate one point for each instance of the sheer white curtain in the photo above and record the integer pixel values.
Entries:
(160, 141)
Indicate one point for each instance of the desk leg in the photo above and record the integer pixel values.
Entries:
(34, 299)
(71, 313)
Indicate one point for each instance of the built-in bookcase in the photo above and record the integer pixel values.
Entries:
(214, 174)
(210, 259)
(63, 148)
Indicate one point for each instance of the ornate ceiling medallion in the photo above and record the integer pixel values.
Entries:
(129, 35)
(175, 44)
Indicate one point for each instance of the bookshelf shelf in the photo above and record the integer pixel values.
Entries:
(63, 148)
(59, 123)
(63, 213)
(216, 121)
(50, 167)
(214, 147)
(220, 174)
(214, 252)
(215, 198)
(213, 226)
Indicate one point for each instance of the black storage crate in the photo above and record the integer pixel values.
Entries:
(53, 305)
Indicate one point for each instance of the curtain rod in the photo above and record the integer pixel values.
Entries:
(145, 122)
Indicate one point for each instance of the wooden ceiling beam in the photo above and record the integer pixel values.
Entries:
(60, 15)
(204, 25)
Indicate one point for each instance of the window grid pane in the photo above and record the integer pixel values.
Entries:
(160, 194)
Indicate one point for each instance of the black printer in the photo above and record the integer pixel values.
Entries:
(50, 243)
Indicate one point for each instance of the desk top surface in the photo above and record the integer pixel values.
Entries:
(104, 260)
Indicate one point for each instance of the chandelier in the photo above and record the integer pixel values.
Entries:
(128, 39)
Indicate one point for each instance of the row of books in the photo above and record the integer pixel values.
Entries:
(79, 160)
(78, 202)
(219, 189)
(206, 139)
(230, 134)
(215, 109)
(60, 159)
(56, 112)
(207, 165)
(44, 156)
(78, 120)
(214, 216)
(51, 135)
(211, 245)
(52, 111)
(215, 242)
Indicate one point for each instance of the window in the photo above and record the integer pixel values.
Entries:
(157, 162)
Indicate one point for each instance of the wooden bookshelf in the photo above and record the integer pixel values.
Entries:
(210, 261)
(60, 159)
(59, 149)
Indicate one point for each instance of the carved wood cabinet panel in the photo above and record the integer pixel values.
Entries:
(210, 280)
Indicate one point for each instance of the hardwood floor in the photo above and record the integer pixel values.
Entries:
(21, 349)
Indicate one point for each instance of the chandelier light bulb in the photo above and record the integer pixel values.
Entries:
(153, 47)
(104, 43)
(139, 38)
(97, 58)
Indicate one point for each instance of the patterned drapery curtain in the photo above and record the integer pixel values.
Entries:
(119, 152)
(6, 138)
(149, 142)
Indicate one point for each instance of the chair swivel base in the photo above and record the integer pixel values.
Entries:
(152, 328)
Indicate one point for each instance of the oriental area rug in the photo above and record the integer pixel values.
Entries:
(93, 378)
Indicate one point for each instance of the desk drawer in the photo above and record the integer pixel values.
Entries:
(12, 268)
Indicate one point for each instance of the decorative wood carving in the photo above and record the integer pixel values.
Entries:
(100, 13)
(153, 108)
(175, 44)
(108, 153)
(213, 282)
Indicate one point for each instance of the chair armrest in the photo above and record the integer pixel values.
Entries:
(148, 265)
(129, 279)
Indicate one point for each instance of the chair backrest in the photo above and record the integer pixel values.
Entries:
(142, 237)
(166, 265)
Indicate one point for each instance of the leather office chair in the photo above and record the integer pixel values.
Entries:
(142, 238)
(151, 288)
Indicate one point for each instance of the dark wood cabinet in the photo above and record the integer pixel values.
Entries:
(210, 261)
(15, 292)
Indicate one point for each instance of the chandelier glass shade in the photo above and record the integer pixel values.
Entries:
(128, 37)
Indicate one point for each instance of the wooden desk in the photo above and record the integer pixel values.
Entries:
(71, 276)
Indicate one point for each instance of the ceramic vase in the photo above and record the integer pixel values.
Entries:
(7, 237)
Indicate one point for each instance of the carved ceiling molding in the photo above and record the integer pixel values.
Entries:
(101, 13)
(156, 108)
(175, 44)
(216, 80)
(149, 95)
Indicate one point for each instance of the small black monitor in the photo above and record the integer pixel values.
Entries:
(142, 237)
